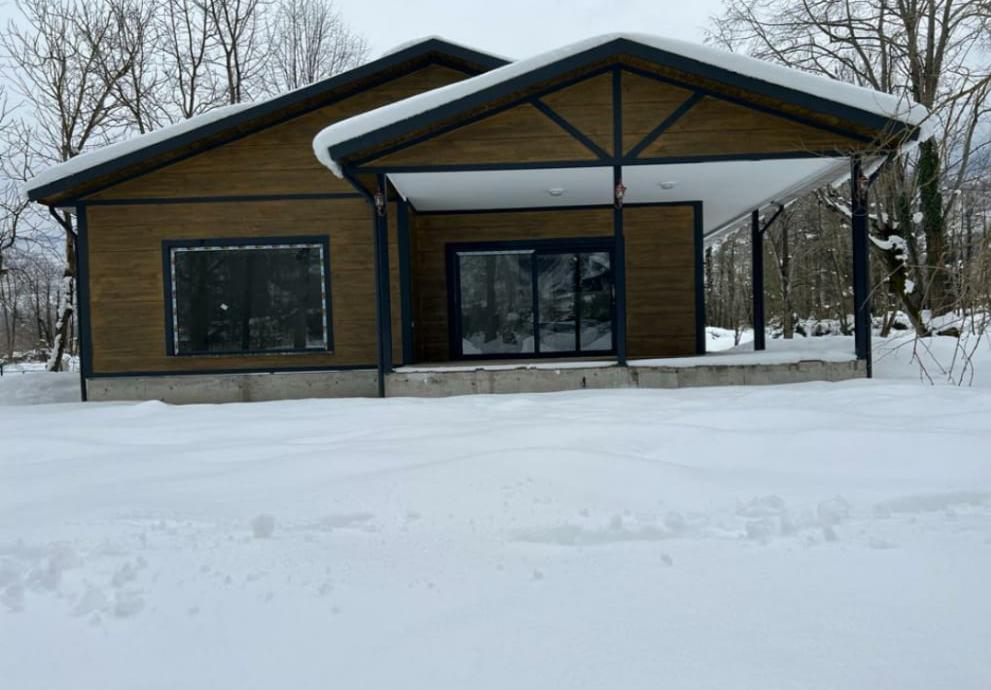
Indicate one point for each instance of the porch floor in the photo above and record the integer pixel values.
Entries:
(795, 361)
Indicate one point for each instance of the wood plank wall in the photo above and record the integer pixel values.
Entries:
(127, 306)
(127, 293)
(660, 269)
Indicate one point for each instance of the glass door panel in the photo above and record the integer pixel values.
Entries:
(556, 289)
(596, 290)
(496, 302)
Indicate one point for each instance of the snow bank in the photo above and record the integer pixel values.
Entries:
(36, 387)
(818, 536)
(868, 100)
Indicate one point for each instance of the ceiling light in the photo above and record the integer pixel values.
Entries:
(667, 185)
(556, 191)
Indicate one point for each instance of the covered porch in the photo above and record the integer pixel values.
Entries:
(547, 220)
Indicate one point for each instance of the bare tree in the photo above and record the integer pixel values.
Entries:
(932, 51)
(62, 72)
(309, 40)
(185, 28)
(238, 29)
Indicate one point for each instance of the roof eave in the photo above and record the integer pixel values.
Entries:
(345, 152)
(62, 190)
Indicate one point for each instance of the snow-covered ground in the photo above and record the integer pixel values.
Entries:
(806, 536)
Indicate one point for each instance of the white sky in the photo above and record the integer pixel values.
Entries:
(519, 28)
(512, 28)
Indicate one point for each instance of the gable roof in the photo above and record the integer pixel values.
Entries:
(871, 109)
(160, 147)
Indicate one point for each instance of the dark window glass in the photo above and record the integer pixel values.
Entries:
(496, 302)
(595, 285)
(249, 298)
(556, 287)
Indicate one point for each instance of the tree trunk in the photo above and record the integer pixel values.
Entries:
(67, 304)
(939, 294)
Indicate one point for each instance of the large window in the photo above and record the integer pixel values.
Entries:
(248, 297)
(531, 298)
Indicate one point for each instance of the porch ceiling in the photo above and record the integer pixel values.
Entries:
(729, 190)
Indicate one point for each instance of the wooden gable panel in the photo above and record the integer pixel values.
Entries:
(276, 160)
(717, 127)
(646, 103)
(519, 135)
(588, 106)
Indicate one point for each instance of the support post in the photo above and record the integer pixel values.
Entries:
(619, 270)
(405, 278)
(383, 313)
(83, 332)
(859, 189)
(757, 273)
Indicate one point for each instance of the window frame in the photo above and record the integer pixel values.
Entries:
(536, 247)
(243, 243)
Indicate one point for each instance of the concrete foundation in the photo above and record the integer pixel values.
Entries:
(426, 382)
(422, 382)
(222, 388)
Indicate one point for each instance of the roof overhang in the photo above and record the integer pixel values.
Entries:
(874, 113)
(61, 184)
(728, 190)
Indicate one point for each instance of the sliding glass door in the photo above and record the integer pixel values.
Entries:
(548, 298)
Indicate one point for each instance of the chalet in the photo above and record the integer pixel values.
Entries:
(444, 210)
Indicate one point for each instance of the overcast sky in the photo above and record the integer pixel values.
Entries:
(512, 28)
(519, 28)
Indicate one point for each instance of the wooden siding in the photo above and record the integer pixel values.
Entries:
(646, 103)
(715, 127)
(588, 106)
(660, 280)
(660, 269)
(127, 294)
(519, 135)
(277, 160)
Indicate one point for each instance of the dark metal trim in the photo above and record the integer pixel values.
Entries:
(757, 280)
(665, 124)
(383, 311)
(153, 201)
(619, 273)
(700, 339)
(575, 133)
(771, 220)
(659, 160)
(405, 278)
(439, 51)
(859, 190)
(573, 207)
(252, 370)
(538, 246)
(169, 245)
(83, 300)
(612, 49)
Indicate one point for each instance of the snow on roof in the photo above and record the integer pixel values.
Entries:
(868, 100)
(405, 45)
(91, 159)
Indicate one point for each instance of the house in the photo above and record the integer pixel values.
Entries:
(442, 205)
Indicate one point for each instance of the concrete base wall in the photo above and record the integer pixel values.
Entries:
(221, 388)
(544, 380)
